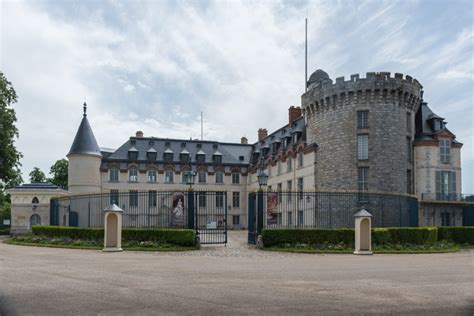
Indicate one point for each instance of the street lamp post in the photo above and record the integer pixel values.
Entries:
(262, 182)
(190, 175)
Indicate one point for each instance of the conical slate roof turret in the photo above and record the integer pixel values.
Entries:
(84, 142)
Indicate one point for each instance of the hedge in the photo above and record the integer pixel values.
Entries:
(380, 236)
(181, 237)
(457, 234)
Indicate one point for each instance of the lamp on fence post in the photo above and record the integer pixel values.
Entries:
(190, 175)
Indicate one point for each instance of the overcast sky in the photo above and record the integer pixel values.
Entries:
(153, 66)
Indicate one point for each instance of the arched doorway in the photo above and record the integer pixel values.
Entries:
(35, 220)
(112, 230)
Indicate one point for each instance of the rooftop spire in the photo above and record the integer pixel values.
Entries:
(85, 142)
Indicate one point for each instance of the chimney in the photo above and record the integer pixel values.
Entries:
(244, 140)
(139, 134)
(262, 133)
(293, 114)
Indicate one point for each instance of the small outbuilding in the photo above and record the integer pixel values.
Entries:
(363, 233)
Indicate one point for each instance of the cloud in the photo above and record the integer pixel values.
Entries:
(154, 66)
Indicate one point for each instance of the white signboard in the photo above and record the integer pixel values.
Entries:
(6, 222)
(211, 225)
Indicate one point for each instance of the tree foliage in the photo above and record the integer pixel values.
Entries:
(36, 175)
(59, 173)
(9, 155)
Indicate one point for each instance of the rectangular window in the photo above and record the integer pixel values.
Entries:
(409, 122)
(217, 158)
(152, 198)
(300, 218)
(235, 220)
(202, 176)
(409, 148)
(300, 159)
(133, 198)
(168, 156)
(362, 119)
(133, 175)
(114, 174)
(152, 175)
(219, 177)
(235, 178)
(289, 186)
(184, 158)
(409, 182)
(289, 219)
(363, 178)
(220, 199)
(445, 185)
(269, 170)
(200, 158)
(279, 167)
(169, 174)
(300, 188)
(114, 197)
(289, 166)
(279, 189)
(236, 199)
(363, 147)
(445, 150)
(184, 177)
(202, 199)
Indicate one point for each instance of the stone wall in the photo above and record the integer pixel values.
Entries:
(331, 113)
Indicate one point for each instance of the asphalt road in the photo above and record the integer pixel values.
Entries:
(232, 280)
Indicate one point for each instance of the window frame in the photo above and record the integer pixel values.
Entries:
(113, 174)
(363, 147)
(169, 176)
(134, 177)
(362, 119)
(235, 177)
(236, 199)
(151, 178)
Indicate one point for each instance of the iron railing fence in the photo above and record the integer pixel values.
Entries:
(142, 209)
(447, 197)
(337, 209)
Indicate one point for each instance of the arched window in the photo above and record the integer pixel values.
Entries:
(151, 175)
(35, 200)
(35, 219)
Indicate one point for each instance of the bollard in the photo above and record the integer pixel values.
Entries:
(363, 233)
(113, 228)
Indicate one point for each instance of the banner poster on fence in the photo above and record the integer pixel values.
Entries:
(178, 209)
(272, 208)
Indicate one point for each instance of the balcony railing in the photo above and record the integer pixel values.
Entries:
(448, 197)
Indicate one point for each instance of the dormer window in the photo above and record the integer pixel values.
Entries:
(151, 154)
(184, 158)
(168, 155)
(133, 153)
(200, 156)
(217, 157)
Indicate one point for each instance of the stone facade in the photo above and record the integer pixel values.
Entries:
(331, 114)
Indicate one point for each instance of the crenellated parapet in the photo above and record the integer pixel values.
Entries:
(376, 87)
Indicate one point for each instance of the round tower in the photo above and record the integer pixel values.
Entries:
(84, 160)
(364, 129)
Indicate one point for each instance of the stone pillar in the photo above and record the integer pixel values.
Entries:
(113, 228)
(363, 233)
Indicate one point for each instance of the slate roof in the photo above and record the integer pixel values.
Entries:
(85, 142)
(37, 186)
(423, 126)
(232, 153)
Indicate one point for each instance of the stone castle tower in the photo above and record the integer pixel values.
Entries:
(84, 160)
(364, 129)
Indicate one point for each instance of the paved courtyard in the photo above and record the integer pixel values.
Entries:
(236, 279)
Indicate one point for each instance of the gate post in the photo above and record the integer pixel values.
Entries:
(260, 196)
(191, 209)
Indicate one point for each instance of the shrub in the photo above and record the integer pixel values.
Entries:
(405, 235)
(345, 236)
(457, 234)
(308, 236)
(181, 237)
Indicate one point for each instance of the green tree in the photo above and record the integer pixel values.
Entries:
(36, 175)
(9, 155)
(59, 173)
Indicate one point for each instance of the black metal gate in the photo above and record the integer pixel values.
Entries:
(210, 216)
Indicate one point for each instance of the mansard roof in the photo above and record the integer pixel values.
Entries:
(85, 142)
(232, 153)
